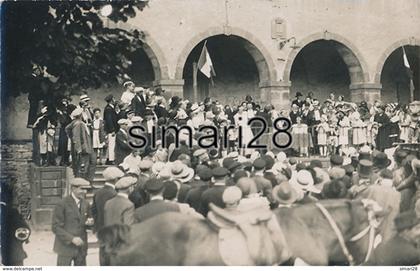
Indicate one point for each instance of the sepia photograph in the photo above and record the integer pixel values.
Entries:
(210, 133)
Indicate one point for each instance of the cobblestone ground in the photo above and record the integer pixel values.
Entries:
(40, 250)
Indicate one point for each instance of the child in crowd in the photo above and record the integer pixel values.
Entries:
(301, 137)
(98, 136)
(323, 129)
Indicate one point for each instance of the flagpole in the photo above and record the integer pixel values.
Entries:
(411, 84)
(195, 85)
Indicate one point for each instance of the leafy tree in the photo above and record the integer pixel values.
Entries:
(53, 47)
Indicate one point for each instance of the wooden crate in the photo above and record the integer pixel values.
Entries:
(48, 187)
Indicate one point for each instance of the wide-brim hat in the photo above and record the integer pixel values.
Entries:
(284, 193)
(381, 160)
(305, 181)
(181, 172)
(128, 83)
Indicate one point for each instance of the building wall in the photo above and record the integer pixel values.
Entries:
(370, 29)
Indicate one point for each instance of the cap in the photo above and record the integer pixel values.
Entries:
(125, 182)
(145, 164)
(84, 97)
(259, 163)
(153, 185)
(112, 173)
(220, 172)
(136, 119)
(337, 173)
(122, 122)
(315, 163)
(336, 160)
(231, 195)
(79, 182)
(205, 174)
(199, 152)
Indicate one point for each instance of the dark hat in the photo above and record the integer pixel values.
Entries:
(381, 160)
(400, 155)
(299, 94)
(170, 190)
(220, 172)
(300, 166)
(239, 174)
(406, 220)
(259, 164)
(233, 166)
(153, 185)
(315, 163)
(334, 190)
(109, 98)
(364, 156)
(365, 168)
(284, 193)
(205, 174)
(227, 161)
(247, 165)
(336, 160)
(269, 161)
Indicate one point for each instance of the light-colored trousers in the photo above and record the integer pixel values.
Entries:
(111, 147)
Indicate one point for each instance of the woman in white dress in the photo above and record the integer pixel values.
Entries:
(241, 121)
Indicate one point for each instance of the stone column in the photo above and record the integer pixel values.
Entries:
(368, 92)
(275, 93)
(172, 87)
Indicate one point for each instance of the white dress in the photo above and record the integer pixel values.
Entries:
(96, 141)
(241, 120)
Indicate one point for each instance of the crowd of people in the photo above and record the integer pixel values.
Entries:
(143, 183)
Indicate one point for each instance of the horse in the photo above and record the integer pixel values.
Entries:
(175, 239)
(312, 237)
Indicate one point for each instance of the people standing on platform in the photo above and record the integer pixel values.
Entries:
(111, 127)
(322, 131)
(122, 146)
(300, 137)
(98, 136)
(83, 155)
(129, 93)
(45, 125)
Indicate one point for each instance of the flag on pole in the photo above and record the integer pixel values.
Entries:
(205, 65)
(409, 73)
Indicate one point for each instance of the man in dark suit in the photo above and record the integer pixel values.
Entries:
(122, 147)
(69, 224)
(84, 158)
(111, 175)
(111, 127)
(157, 205)
(119, 209)
(193, 197)
(138, 104)
(214, 194)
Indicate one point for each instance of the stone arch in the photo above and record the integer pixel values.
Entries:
(157, 58)
(379, 67)
(357, 66)
(256, 49)
(152, 50)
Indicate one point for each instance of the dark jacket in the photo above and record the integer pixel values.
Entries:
(12, 248)
(110, 120)
(214, 195)
(138, 105)
(68, 222)
(80, 136)
(98, 206)
(122, 148)
(154, 208)
(118, 210)
(193, 197)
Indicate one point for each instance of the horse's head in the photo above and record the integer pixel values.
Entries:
(367, 216)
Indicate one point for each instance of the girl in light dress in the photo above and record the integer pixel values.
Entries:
(98, 136)
(343, 133)
(333, 136)
(323, 129)
(405, 120)
(300, 137)
(359, 130)
(241, 121)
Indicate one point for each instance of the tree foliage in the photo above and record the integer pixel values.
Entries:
(50, 47)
